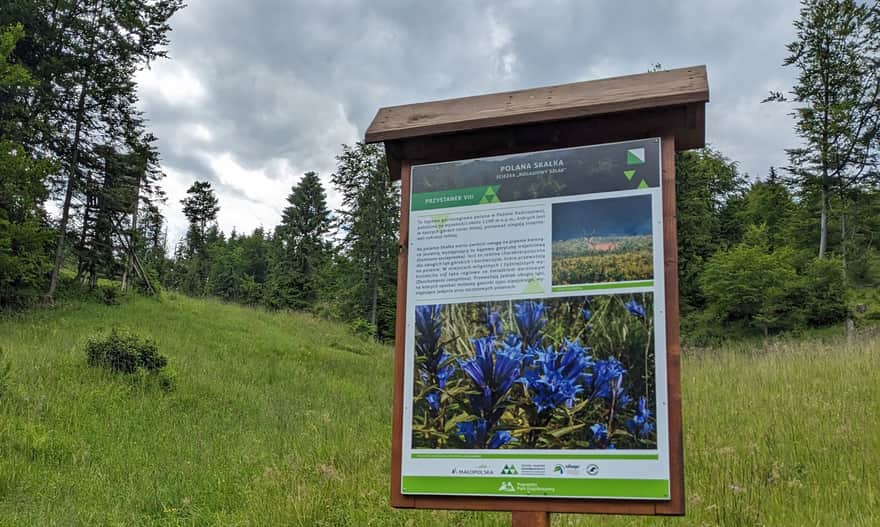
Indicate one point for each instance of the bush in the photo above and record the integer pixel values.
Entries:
(363, 328)
(751, 287)
(826, 294)
(124, 352)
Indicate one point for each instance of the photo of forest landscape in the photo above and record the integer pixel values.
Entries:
(602, 240)
(562, 373)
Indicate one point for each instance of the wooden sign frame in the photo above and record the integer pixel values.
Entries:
(668, 105)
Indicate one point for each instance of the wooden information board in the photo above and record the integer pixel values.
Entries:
(537, 353)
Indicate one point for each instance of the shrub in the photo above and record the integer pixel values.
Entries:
(124, 352)
(825, 286)
(748, 284)
(362, 327)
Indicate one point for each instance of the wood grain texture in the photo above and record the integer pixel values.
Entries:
(523, 139)
(530, 519)
(676, 504)
(676, 87)
(686, 123)
(397, 498)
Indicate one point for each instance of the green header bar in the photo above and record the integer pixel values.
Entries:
(551, 487)
(610, 285)
(432, 455)
(461, 197)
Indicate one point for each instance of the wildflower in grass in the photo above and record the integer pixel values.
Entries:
(607, 378)
(512, 340)
(476, 435)
(433, 399)
(436, 367)
(530, 320)
(638, 425)
(555, 378)
(635, 309)
(429, 326)
(492, 370)
(588, 303)
(600, 436)
(493, 322)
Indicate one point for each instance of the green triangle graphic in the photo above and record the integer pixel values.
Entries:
(629, 174)
(490, 196)
(533, 287)
(635, 156)
(643, 184)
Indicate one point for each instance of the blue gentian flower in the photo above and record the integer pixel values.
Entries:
(600, 433)
(428, 327)
(433, 399)
(555, 378)
(512, 340)
(587, 314)
(635, 309)
(606, 381)
(491, 369)
(638, 425)
(493, 322)
(475, 434)
(500, 438)
(493, 372)
(530, 321)
(436, 366)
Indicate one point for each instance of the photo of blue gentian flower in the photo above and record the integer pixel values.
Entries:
(567, 373)
(636, 309)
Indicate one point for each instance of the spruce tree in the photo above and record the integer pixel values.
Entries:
(370, 220)
(300, 246)
(201, 208)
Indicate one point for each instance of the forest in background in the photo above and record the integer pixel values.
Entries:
(757, 256)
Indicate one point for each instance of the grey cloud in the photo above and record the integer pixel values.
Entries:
(294, 80)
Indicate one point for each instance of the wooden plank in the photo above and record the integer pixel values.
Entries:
(686, 123)
(530, 519)
(552, 103)
(675, 505)
(398, 499)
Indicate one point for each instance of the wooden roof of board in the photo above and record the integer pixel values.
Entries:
(644, 91)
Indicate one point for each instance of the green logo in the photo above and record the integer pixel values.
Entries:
(629, 174)
(490, 195)
(558, 469)
(509, 470)
(635, 156)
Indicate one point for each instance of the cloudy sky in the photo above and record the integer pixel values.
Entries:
(257, 92)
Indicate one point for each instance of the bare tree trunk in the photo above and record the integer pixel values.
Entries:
(68, 193)
(843, 237)
(823, 224)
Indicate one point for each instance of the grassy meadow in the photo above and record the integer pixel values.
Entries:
(284, 419)
(628, 258)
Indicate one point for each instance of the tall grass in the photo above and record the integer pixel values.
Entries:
(284, 419)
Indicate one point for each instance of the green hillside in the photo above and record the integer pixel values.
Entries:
(284, 419)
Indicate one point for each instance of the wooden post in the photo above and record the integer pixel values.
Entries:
(530, 519)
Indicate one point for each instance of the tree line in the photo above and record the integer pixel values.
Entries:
(342, 265)
(756, 255)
